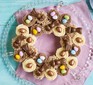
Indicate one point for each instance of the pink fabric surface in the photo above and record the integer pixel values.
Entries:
(49, 43)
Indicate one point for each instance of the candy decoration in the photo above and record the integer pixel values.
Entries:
(59, 29)
(72, 62)
(79, 40)
(55, 17)
(64, 21)
(66, 17)
(76, 49)
(73, 52)
(34, 31)
(22, 30)
(52, 13)
(27, 21)
(17, 57)
(42, 57)
(21, 53)
(39, 61)
(38, 29)
(63, 71)
(62, 67)
(30, 17)
(29, 39)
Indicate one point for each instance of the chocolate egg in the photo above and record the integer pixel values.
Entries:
(58, 62)
(62, 53)
(22, 30)
(50, 73)
(72, 62)
(59, 29)
(29, 40)
(79, 40)
(29, 65)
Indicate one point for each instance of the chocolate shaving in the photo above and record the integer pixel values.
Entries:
(50, 73)
(66, 40)
(47, 28)
(79, 30)
(68, 29)
(72, 29)
(38, 72)
(16, 45)
(53, 63)
(56, 22)
(68, 47)
(21, 37)
(40, 16)
(63, 61)
(34, 13)
(26, 49)
(18, 41)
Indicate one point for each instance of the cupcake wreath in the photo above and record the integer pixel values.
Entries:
(37, 23)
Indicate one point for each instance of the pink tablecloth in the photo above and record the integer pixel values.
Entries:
(81, 18)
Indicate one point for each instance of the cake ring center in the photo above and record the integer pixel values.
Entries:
(48, 44)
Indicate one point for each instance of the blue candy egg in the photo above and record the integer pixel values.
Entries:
(64, 21)
(73, 52)
(39, 60)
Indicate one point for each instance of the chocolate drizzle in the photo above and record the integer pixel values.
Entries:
(34, 13)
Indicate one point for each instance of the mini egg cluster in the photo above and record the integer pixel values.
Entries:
(37, 23)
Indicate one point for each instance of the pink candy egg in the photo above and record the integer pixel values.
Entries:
(38, 29)
(76, 48)
(21, 53)
(52, 13)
